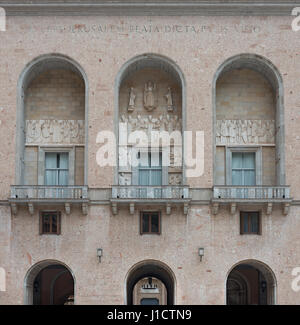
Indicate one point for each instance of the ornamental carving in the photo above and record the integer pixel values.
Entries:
(150, 96)
(149, 123)
(230, 132)
(54, 132)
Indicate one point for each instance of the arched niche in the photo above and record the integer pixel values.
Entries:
(58, 283)
(256, 283)
(153, 269)
(150, 95)
(52, 110)
(256, 121)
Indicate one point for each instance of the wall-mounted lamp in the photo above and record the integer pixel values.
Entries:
(99, 253)
(201, 253)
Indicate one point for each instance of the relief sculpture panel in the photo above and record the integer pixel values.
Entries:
(54, 132)
(229, 132)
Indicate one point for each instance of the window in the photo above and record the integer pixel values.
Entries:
(150, 168)
(56, 168)
(250, 223)
(150, 223)
(149, 301)
(243, 168)
(50, 223)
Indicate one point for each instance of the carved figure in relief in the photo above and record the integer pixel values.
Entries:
(245, 131)
(124, 179)
(150, 96)
(132, 97)
(169, 100)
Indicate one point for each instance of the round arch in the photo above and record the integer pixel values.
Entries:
(32, 274)
(269, 71)
(267, 273)
(32, 70)
(148, 60)
(150, 268)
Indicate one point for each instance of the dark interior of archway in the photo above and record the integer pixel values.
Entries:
(154, 271)
(54, 285)
(246, 285)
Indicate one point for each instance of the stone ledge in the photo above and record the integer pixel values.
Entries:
(145, 8)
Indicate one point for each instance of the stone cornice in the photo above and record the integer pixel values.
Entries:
(149, 8)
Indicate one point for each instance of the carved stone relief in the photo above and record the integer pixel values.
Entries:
(147, 123)
(124, 179)
(54, 131)
(230, 132)
(169, 100)
(150, 96)
(175, 179)
(132, 97)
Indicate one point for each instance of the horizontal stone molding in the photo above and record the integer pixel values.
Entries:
(149, 8)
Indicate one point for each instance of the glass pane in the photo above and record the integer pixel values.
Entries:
(245, 220)
(145, 221)
(144, 158)
(154, 223)
(63, 177)
(54, 223)
(237, 160)
(156, 177)
(249, 177)
(51, 177)
(254, 223)
(46, 224)
(144, 177)
(51, 160)
(156, 159)
(249, 160)
(149, 301)
(237, 177)
(63, 160)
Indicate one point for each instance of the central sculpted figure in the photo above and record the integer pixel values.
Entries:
(150, 96)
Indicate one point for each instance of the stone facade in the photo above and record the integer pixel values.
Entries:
(101, 46)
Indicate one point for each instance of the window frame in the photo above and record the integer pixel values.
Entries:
(58, 215)
(242, 213)
(150, 228)
(240, 149)
(42, 162)
(135, 169)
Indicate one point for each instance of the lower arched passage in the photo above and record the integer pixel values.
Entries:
(251, 282)
(49, 282)
(151, 269)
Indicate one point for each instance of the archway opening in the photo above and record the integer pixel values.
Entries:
(150, 283)
(49, 283)
(250, 283)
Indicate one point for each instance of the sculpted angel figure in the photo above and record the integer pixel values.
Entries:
(132, 97)
(149, 96)
(169, 100)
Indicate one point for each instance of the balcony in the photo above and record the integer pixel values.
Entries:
(143, 195)
(267, 195)
(32, 195)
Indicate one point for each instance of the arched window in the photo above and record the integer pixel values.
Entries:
(150, 97)
(51, 123)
